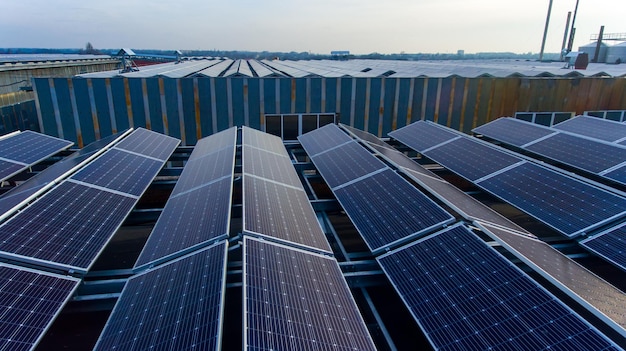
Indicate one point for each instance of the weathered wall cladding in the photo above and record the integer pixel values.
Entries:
(83, 110)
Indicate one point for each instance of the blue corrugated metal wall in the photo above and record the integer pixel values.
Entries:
(83, 110)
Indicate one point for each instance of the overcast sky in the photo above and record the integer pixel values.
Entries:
(318, 26)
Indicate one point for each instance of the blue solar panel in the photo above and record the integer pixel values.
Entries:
(121, 171)
(618, 174)
(8, 169)
(594, 128)
(323, 138)
(68, 227)
(423, 135)
(178, 306)
(281, 212)
(346, 163)
(513, 131)
(465, 296)
(592, 156)
(365, 136)
(149, 143)
(263, 141)
(386, 209)
(30, 147)
(203, 170)
(566, 204)
(610, 245)
(189, 220)
(470, 158)
(294, 300)
(29, 303)
(214, 142)
(269, 166)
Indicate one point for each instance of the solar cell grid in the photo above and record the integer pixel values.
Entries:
(592, 156)
(470, 158)
(206, 169)
(346, 163)
(189, 220)
(269, 166)
(149, 143)
(323, 139)
(568, 205)
(68, 227)
(263, 141)
(618, 174)
(594, 128)
(465, 296)
(365, 136)
(294, 300)
(281, 212)
(512, 131)
(29, 303)
(30, 147)
(121, 171)
(178, 306)
(386, 209)
(610, 245)
(422, 135)
(213, 143)
(8, 169)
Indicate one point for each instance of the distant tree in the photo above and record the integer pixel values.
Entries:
(89, 49)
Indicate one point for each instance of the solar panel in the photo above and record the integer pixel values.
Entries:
(323, 138)
(270, 166)
(9, 169)
(592, 156)
(214, 142)
(365, 136)
(566, 204)
(295, 300)
(465, 296)
(470, 158)
(513, 131)
(346, 163)
(610, 245)
(190, 220)
(29, 147)
(67, 227)
(149, 143)
(204, 170)
(594, 127)
(387, 210)
(399, 159)
(618, 174)
(281, 212)
(177, 306)
(423, 135)
(263, 141)
(122, 171)
(29, 303)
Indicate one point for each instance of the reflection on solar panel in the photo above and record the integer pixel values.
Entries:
(390, 216)
(610, 245)
(121, 171)
(275, 204)
(465, 296)
(198, 211)
(177, 306)
(328, 137)
(427, 135)
(69, 226)
(294, 300)
(270, 166)
(471, 159)
(568, 205)
(594, 128)
(281, 212)
(29, 303)
(513, 131)
(346, 163)
(365, 136)
(149, 143)
(19, 151)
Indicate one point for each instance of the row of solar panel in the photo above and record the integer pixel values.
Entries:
(385, 209)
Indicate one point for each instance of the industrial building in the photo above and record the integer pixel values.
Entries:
(229, 204)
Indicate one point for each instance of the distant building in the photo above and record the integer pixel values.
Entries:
(340, 53)
(590, 49)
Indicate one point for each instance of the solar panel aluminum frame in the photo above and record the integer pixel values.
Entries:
(205, 243)
(63, 176)
(223, 286)
(9, 135)
(495, 252)
(595, 236)
(484, 227)
(245, 295)
(67, 299)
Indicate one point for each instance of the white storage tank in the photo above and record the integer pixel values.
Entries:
(616, 53)
(590, 49)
